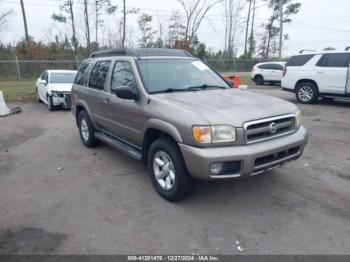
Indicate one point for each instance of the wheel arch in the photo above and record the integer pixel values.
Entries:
(81, 106)
(156, 129)
(305, 80)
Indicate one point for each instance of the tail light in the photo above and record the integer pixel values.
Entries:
(253, 68)
(284, 71)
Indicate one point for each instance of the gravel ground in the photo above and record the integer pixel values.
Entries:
(58, 197)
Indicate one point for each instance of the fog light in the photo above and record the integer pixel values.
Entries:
(216, 168)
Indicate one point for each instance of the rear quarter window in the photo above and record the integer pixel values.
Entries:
(299, 60)
(83, 73)
(334, 60)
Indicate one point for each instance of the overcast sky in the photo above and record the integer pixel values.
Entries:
(319, 24)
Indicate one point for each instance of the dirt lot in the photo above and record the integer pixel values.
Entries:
(56, 196)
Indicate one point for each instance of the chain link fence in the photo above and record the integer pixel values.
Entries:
(17, 77)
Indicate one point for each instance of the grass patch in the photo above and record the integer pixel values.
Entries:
(14, 91)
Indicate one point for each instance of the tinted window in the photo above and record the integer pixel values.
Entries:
(334, 60)
(299, 60)
(266, 66)
(83, 72)
(277, 67)
(123, 76)
(59, 78)
(99, 74)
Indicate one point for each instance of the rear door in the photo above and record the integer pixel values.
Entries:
(332, 71)
(267, 71)
(94, 95)
(277, 73)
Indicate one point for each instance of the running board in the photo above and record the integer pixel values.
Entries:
(119, 145)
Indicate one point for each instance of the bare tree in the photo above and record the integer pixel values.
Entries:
(67, 8)
(247, 27)
(195, 12)
(4, 15)
(26, 34)
(87, 26)
(176, 29)
(145, 25)
(102, 6)
(251, 38)
(233, 9)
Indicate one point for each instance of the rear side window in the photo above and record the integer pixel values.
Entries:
(83, 72)
(99, 75)
(334, 60)
(266, 66)
(299, 60)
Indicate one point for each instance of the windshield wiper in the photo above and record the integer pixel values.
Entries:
(191, 88)
(169, 90)
(205, 86)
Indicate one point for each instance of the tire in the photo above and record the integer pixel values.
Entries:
(37, 95)
(259, 80)
(87, 130)
(307, 93)
(180, 184)
(50, 105)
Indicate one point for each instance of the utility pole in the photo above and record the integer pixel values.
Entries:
(281, 29)
(26, 34)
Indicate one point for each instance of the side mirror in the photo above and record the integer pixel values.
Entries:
(42, 81)
(230, 83)
(125, 92)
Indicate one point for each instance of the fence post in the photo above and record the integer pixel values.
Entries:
(20, 84)
(234, 65)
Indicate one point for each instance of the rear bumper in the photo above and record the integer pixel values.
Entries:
(255, 158)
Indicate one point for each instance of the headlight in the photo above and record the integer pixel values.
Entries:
(214, 134)
(298, 118)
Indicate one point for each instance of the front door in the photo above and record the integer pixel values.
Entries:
(125, 118)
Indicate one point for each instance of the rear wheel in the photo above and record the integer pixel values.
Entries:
(307, 93)
(168, 171)
(87, 130)
(259, 80)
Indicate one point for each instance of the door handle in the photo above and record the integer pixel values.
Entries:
(320, 72)
(106, 100)
(273, 71)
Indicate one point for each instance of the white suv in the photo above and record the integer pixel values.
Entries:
(271, 72)
(314, 75)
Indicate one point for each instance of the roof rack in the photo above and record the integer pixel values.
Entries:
(306, 50)
(347, 48)
(142, 52)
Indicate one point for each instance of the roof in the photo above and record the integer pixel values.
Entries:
(61, 71)
(142, 52)
(314, 52)
(273, 62)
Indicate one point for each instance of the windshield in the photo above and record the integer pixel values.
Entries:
(60, 78)
(164, 75)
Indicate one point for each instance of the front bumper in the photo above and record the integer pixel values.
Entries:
(255, 158)
(61, 99)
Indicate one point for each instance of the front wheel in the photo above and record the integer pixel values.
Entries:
(168, 171)
(307, 93)
(50, 105)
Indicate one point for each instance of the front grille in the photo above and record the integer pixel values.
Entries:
(276, 157)
(269, 128)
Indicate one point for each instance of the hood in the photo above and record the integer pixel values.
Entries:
(65, 87)
(230, 106)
